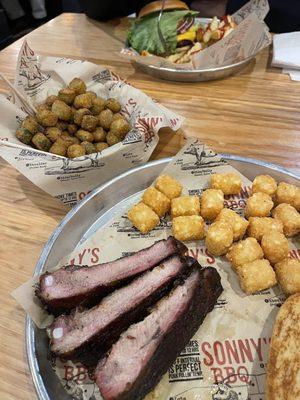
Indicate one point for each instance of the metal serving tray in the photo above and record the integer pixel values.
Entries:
(194, 75)
(93, 212)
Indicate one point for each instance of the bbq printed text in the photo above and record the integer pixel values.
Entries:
(232, 359)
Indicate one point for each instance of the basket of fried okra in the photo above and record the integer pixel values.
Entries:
(75, 122)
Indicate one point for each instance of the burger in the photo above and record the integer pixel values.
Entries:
(183, 33)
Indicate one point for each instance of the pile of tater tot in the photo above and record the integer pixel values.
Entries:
(256, 245)
(75, 122)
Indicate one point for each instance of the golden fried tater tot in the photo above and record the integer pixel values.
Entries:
(275, 246)
(189, 227)
(157, 201)
(212, 202)
(219, 238)
(238, 224)
(185, 205)
(256, 275)
(229, 183)
(143, 217)
(288, 275)
(264, 184)
(244, 252)
(258, 205)
(168, 186)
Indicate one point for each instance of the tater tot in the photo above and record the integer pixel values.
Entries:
(264, 184)
(189, 227)
(168, 186)
(238, 224)
(143, 217)
(244, 252)
(185, 205)
(259, 226)
(258, 205)
(287, 193)
(289, 217)
(219, 238)
(212, 202)
(256, 275)
(275, 246)
(229, 183)
(288, 275)
(157, 201)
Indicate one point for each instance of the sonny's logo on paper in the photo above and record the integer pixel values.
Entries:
(202, 158)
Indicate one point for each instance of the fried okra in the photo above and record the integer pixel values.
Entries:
(101, 146)
(99, 134)
(256, 275)
(79, 114)
(275, 246)
(156, 200)
(83, 101)
(67, 95)
(62, 110)
(50, 100)
(89, 123)
(219, 238)
(72, 129)
(212, 202)
(259, 226)
(113, 105)
(67, 139)
(84, 136)
(120, 127)
(288, 193)
(24, 135)
(41, 142)
(185, 205)
(112, 139)
(168, 186)
(105, 118)
(229, 183)
(77, 85)
(90, 148)
(75, 150)
(189, 227)
(53, 133)
(264, 184)
(288, 275)
(31, 124)
(46, 118)
(143, 217)
(258, 205)
(237, 223)
(289, 217)
(98, 105)
(243, 252)
(59, 148)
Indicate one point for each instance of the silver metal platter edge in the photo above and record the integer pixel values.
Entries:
(194, 75)
(76, 224)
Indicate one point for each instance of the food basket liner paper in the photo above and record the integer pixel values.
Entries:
(248, 38)
(226, 359)
(70, 179)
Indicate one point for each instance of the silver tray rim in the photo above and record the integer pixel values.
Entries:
(197, 71)
(29, 325)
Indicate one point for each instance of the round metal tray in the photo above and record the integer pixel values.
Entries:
(194, 75)
(93, 212)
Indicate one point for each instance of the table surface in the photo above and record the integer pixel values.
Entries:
(254, 114)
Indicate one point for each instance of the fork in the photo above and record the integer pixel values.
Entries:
(160, 34)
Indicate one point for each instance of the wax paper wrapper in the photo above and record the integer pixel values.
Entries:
(248, 38)
(70, 179)
(226, 359)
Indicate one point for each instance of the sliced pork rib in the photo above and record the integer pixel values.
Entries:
(96, 329)
(146, 350)
(70, 286)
